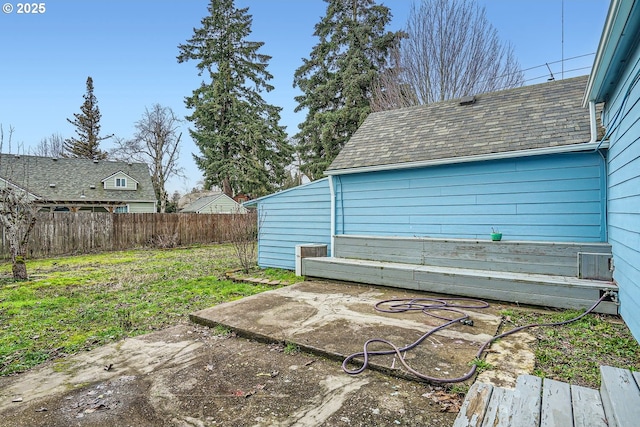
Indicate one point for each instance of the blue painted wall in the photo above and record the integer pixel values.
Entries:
(624, 190)
(296, 216)
(544, 198)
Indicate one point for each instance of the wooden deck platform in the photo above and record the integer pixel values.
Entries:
(537, 273)
(548, 403)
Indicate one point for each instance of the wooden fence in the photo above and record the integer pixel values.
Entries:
(67, 233)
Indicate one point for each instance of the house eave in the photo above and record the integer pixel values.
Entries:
(58, 202)
(588, 146)
(618, 35)
(254, 202)
(29, 193)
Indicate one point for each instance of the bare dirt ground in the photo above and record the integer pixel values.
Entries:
(188, 376)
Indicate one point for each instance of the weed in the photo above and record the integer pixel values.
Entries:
(459, 388)
(291, 348)
(124, 318)
(481, 364)
(166, 240)
(283, 276)
(538, 373)
(575, 351)
(221, 330)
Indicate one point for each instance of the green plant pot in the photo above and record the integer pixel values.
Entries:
(496, 237)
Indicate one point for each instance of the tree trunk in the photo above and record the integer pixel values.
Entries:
(19, 267)
(226, 187)
(163, 200)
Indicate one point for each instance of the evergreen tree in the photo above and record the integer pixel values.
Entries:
(242, 146)
(337, 80)
(87, 124)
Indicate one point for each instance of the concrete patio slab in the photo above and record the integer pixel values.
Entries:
(188, 375)
(335, 319)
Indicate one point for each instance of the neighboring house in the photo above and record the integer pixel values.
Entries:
(214, 204)
(614, 81)
(526, 161)
(72, 184)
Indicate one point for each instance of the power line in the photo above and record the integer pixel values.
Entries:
(544, 76)
(558, 61)
(544, 65)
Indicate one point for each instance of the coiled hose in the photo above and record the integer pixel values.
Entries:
(428, 306)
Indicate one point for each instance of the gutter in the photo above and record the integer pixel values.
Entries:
(332, 194)
(606, 49)
(585, 146)
(604, 235)
(618, 38)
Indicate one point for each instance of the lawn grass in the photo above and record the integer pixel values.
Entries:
(77, 303)
(574, 352)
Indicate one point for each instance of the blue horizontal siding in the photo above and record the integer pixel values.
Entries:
(290, 218)
(624, 190)
(551, 198)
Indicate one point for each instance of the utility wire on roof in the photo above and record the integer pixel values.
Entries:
(551, 77)
(546, 64)
(566, 71)
(559, 61)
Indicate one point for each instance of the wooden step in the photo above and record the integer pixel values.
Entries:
(556, 258)
(474, 408)
(499, 408)
(588, 410)
(620, 396)
(525, 288)
(548, 403)
(556, 404)
(525, 408)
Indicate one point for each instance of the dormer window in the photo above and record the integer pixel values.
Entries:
(120, 181)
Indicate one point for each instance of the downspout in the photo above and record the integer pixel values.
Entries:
(332, 193)
(605, 170)
(594, 124)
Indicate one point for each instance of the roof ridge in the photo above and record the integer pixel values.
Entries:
(528, 117)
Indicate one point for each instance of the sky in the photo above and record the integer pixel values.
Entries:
(129, 48)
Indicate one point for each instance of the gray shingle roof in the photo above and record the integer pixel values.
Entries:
(528, 117)
(200, 203)
(73, 177)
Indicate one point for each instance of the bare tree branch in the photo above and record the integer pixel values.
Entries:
(156, 143)
(52, 146)
(17, 212)
(452, 50)
(244, 230)
(390, 91)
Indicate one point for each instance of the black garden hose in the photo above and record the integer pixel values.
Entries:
(427, 305)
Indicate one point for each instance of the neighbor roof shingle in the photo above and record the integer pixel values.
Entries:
(524, 118)
(201, 202)
(72, 178)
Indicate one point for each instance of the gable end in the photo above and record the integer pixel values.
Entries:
(119, 181)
